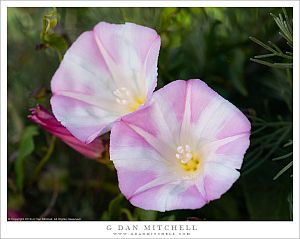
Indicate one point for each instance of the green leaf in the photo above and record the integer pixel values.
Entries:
(145, 215)
(262, 44)
(283, 156)
(168, 218)
(275, 65)
(114, 208)
(286, 33)
(26, 147)
(282, 171)
(128, 214)
(55, 41)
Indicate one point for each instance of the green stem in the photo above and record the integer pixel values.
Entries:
(127, 213)
(45, 159)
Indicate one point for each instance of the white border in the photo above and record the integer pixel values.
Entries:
(206, 229)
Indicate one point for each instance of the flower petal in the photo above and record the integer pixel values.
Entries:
(131, 50)
(170, 196)
(229, 151)
(218, 179)
(183, 113)
(98, 63)
(42, 117)
(135, 157)
(83, 120)
(213, 117)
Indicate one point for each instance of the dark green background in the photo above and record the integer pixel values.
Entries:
(207, 43)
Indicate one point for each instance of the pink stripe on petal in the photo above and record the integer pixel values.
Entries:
(173, 95)
(216, 118)
(201, 96)
(160, 195)
(100, 62)
(181, 116)
(129, 150)
(228, 151)
(169, 197)
(124, 136)
(85, 58)
(148, 200)
(86, 123)
(236, 124)
(218, 179)
(128, 182)
(189, 199)
(236, 147)
(119, 37)
(143, 120)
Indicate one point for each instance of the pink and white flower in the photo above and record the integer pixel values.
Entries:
(107, 73)
(181, 151)
(45, 119)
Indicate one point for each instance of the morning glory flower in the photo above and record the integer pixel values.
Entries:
(181, 151)
(44, 118)
(107, 73)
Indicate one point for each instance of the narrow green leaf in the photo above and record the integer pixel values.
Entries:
(26, 147)
(265, 55)
(262, 44)
(283, 156)
(282, 171)
(289, 41)
(44, 160)
(283, 65)
(258, 130)
(262, 62)
(270, 152)
(274, 45)
(275, 65)
(287, 19)
(288, 143)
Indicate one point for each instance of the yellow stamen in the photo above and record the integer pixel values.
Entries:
(136, 103)
(124, 97)
(192, 165)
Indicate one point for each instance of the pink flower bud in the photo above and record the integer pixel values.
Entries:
(44, 118)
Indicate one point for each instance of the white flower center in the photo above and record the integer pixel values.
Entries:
(123, 96)
(184, 153)
(189, 161)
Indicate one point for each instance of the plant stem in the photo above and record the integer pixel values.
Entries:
(44, 160)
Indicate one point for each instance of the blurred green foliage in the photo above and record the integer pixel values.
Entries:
(207, 43)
